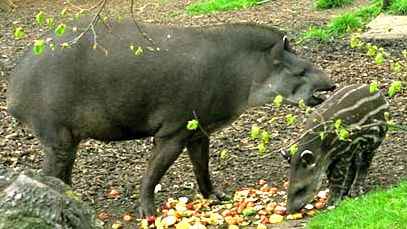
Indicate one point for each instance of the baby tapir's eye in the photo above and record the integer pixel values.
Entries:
(302, 74)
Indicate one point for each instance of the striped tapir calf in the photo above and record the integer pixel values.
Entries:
(345, 161)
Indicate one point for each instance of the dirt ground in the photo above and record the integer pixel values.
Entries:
(101, 166)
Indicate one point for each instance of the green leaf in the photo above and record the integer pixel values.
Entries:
(293, 149)
(40, 17)
(65, 46)
(60, 30)
(49, 22)
(386, 115)
(308, 111)
(51, 43)
(255, 132)
(193, 124)
(273, 120)
(278, 100)
(265, 137)
(354, 42)
(397, 68)
(391, 124)
(371, 51)
(322, 135)
(289, 119)
(223, 154)
(404, 52)
(301, 103)
(373, 86)
(120, 18)
(63, 12)
(38, 47)
(394, 87)
(139, 51)
(19, 33)
(343, 134)
(261, 148)
(338, 124)
(78, 15)
(379, 58)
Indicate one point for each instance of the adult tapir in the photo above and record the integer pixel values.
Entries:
(211, 74)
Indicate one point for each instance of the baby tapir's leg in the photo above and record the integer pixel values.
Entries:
(363, 163)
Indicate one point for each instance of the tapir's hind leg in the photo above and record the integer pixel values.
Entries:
(60, 149)
(166, 151)
(198, 150)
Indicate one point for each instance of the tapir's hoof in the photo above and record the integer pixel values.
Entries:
(223, 196)
(147, 212)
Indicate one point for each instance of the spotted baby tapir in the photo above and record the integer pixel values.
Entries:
(345, 160)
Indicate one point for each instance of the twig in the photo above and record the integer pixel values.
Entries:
(79, 8)
(137, 25)
(90, 25)
(199, 124)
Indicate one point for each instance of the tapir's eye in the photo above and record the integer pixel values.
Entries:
(301, 191)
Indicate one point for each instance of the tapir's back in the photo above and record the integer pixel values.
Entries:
(355, 105)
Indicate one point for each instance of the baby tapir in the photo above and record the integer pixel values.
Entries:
(344, 161)
(211, 74)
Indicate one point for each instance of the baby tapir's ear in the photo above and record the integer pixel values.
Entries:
(308, 157)
(286, 156)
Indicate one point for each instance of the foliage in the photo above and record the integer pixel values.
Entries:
(326, 4)
(345, 23)
(398, 7)
(381, 209)
(220, 5)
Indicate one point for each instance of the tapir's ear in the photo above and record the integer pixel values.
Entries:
(286, 44)
(308, 157)
(286, 155)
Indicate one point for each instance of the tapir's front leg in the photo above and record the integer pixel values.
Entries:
(198, 150)
(166, 152)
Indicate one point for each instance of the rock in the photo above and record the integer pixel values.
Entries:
(386, 27)
(29, 200)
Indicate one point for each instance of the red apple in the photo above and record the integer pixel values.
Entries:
(114, 192)
(319, 205)
(150, 219)
(261, 182)
(273, 190)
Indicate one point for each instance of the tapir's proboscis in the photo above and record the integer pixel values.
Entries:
(346, 160)
(211, 74)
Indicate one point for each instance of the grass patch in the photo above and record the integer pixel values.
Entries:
(220, 5)
(381, 209)
(398, 7)
(327, 4)
(345, 23)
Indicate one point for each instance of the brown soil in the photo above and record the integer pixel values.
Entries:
(101, 166)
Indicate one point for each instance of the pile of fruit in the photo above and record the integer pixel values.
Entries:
(250, 206)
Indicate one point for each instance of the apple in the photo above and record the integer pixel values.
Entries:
(319, 205)
(150, 219)
(190, 206)
(273, 190)
(261, 182)
(102, 216)
(114, 192)
(230, 220)
(127, 218)
(286, 184)
(264, 189)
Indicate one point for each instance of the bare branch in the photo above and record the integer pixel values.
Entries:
(137, 25)
(91, 24)
(80, 8)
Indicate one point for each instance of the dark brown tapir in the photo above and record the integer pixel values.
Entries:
(211, 74)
